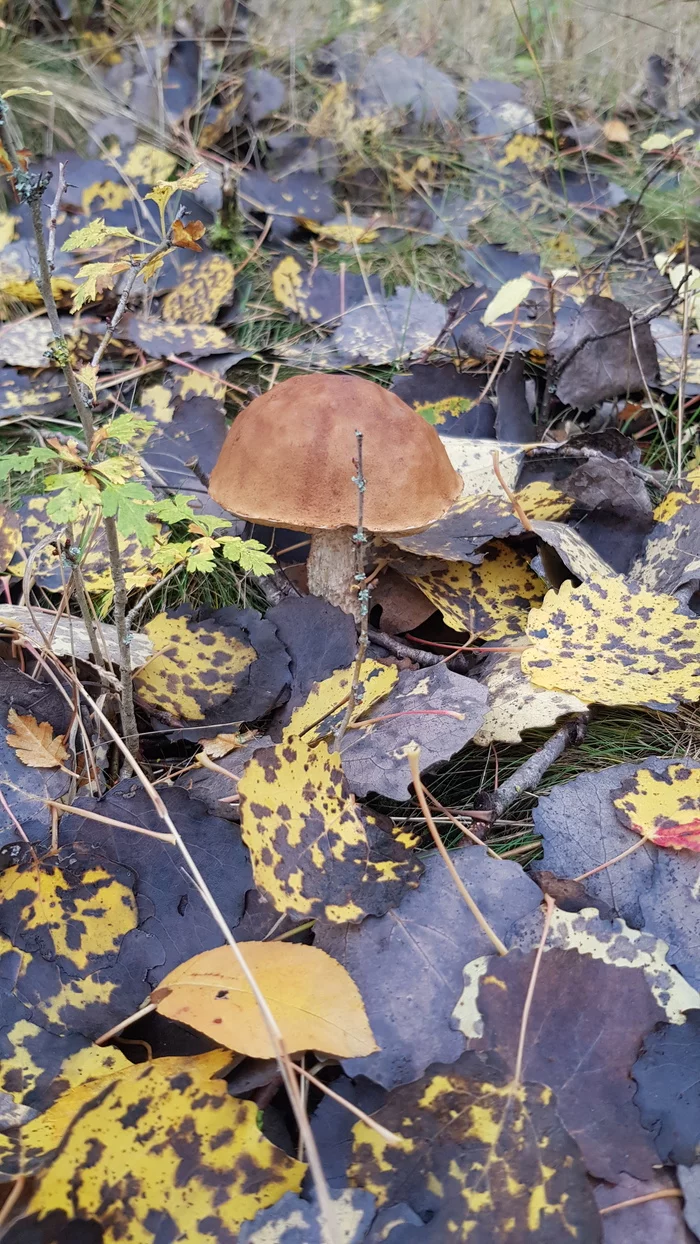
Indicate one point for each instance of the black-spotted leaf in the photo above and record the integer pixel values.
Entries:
(490, 600)
(160, 1143)
(485, 1158)
(314, 851)
(612, 642)
(315, 1002)
(294, 1221)
(326, 704)
(515, 703)
(664, 808)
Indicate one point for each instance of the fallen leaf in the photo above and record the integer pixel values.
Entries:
(169, 905)
(381, 332)
(86, 1141)
(295, 195)
(466, 527)
(586, 1020)
(317, 295)
(665, 810)
(315, 1003)
(35, 743)
(293, 1221)
(25, 789)
(657, 1219)
(489, 601)
(319, 638)
(158, 339)
(651, 889)
(516, 704)
(608, 366)
(447, 398)
(390, 79)
(314, 852)
(671, 555)
(480, 1152)
(616, 131)
(211, 671)
(408, 964)
(612, 642)
(435, 708)
(326, 704)
(509, 296)
(10, 536)
(668, 1089)
(575, 552)
(205, 286)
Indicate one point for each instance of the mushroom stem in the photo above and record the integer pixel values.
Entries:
(331, 569)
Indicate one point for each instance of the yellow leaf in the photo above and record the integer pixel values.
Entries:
(509, 296)
(23, 90)
(221, 744)
(542, 500)
(616, 131)
(34, 742)
(163, 191)
(204, 286)
(314, 851)
(96, 277)
(87, 375)
(76, 919)
(490, 600)
(315, 1002)
(325, 705)
(612, 642)
(153, 267)
(8, 225)
(149, 164)
(664, 809)
(196, 666)
(340, 232)
(660, 142)
(170, 1144)
(43, 1064)
(515, 703)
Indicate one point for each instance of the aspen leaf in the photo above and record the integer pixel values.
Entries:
(315, 1002)
(509, 296)
(314, 851)
(35, 743)
(664, 808)
(480, 1151)
(326, 703)
(490, 600)
(515, 703)
(149, 164)
(612, 642)
(195, 666)
(204, 286)
(616, 131)
(343, 232)
(170, 1144)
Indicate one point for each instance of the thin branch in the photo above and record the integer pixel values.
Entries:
(53, 217)
(103, 820)
(517, 507)
(137, 269)
(533, 770)
(413, 753)
(464, 829)
(419, 655)
(683, 376)
(660, 1195)
(121, 596)
(363, 594)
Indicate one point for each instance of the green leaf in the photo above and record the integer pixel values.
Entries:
(174, 509)
(170, 555)
(201, 556)
(250, 554)
(125, 426)
(73, 490)
(94, 234)
(209, 522)
(20, 463)
(130, 503)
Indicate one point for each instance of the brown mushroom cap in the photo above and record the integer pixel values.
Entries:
(288, 459)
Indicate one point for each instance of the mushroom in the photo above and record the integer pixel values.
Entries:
(288, 461)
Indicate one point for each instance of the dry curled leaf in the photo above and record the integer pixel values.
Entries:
(35, 742)
(314, 1001)
(187, 236)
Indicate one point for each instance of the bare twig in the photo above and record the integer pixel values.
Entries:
(129, 283)
(517, 507)
(406, 651)
(413, 754)
(660, 1195)
(615, 860)
(683, 376)
(533, 770)
(121, 596)
(53, 217)
(464, 829)
(363, 594)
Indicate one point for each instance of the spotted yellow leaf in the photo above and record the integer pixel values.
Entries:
(325, 706)
(664, 809)
(169, 1142)
(612, 642)
(315, 1002)
(490, 600)
(204, 286)
(315, 852)
(515, 703)
(195, 667)
(149, 164)
(489, 1156)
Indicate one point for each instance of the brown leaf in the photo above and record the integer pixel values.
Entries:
(34, 742)
(186, 236)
